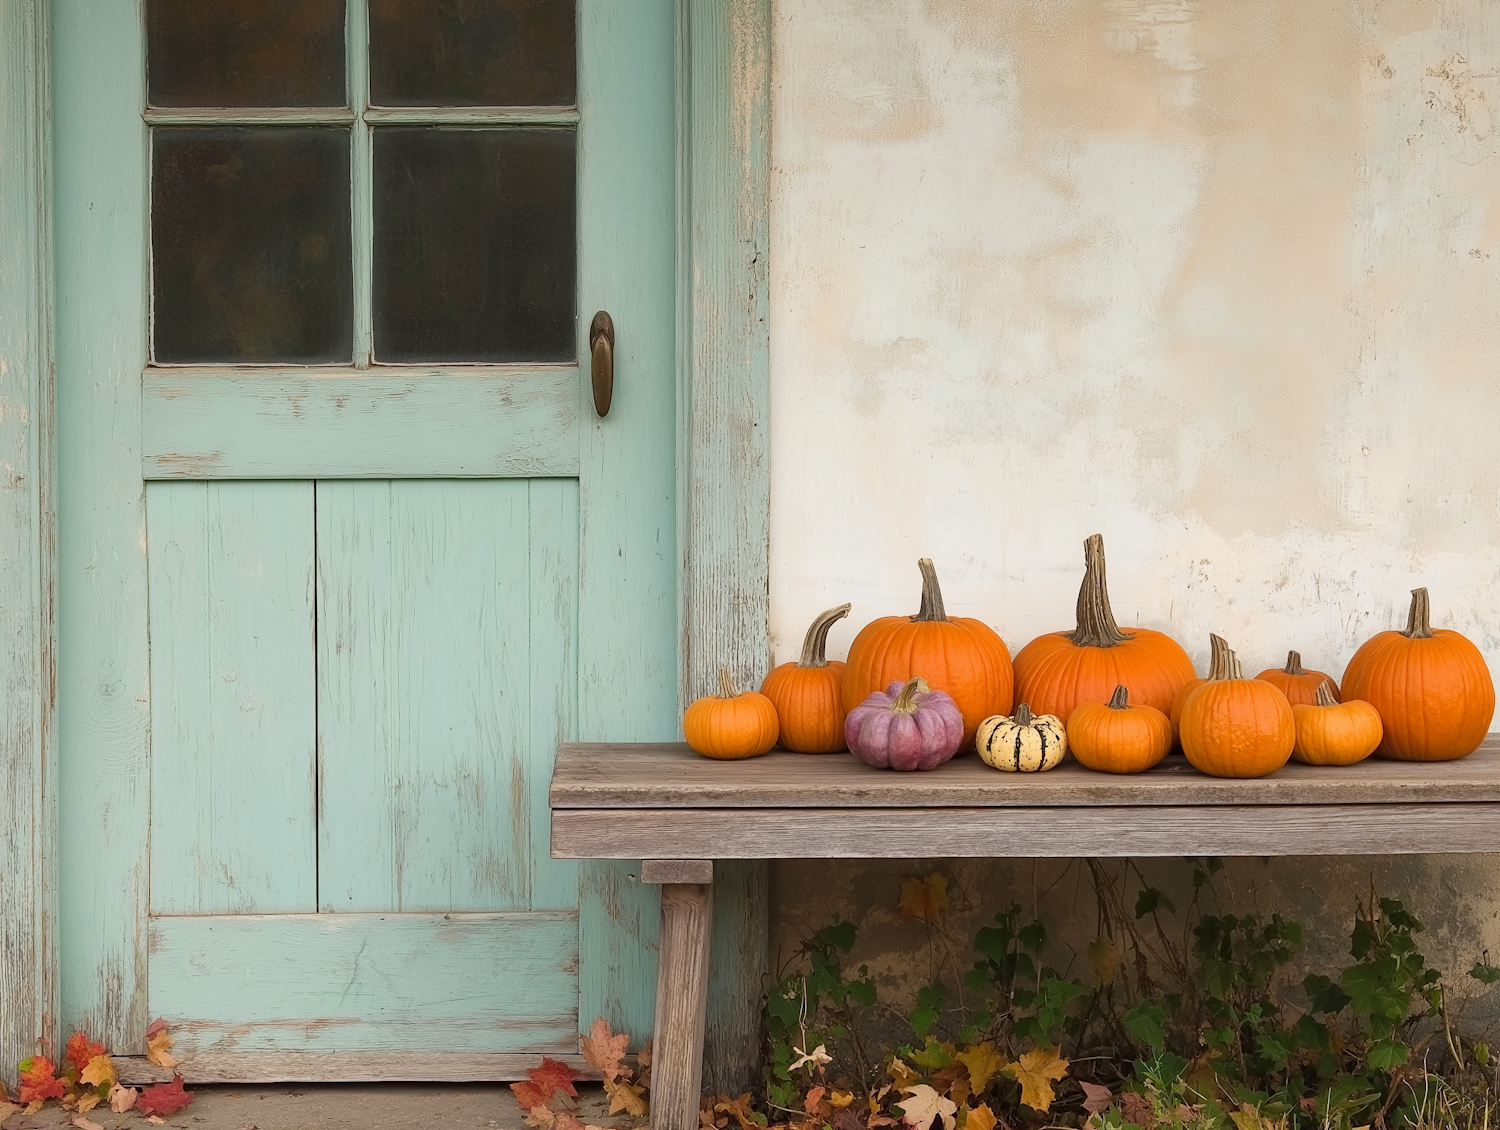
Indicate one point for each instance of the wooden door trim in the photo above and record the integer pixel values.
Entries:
(28, 770)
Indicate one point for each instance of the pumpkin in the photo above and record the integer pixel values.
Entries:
(1055, 672)
(1237, 727)
(809, 694)
(730, 725)
(960, 656)
(1217, 648)
(1022, 743)
(1333, 733)
(1431, 687)
(906, 726)
(1298, 685)
(1119, 738)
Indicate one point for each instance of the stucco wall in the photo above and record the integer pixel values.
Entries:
(1219, 280)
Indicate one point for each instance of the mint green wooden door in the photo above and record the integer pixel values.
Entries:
(344, 549)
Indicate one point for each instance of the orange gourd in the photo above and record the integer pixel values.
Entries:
(960, 656)
(1333, 733)
(1217, 648)
(1298, 685)
(730, 725)
(1237, 727)
(1431, 687)
(1055, 672)
(1116, 737)
(809, 694)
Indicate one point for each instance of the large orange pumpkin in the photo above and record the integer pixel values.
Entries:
(809, 694)
(1055, 672)
(1299, 686)
(1333, 733)
(1431, 687)
(1119, 737)
(1217, 649)
(961, 656)
(1237, 727)
(729, 726)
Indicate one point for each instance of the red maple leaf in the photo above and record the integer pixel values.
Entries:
(554, 1075)
(164, 1099)
(81, 1051)
(39, 1081)
(529, 1095)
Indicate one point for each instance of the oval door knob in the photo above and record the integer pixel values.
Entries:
(602, 352)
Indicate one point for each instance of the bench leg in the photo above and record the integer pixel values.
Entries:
(681, 1000)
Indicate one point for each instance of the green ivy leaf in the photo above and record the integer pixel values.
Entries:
(1383, 1055)
(1485, 973)
(1150, 900)
(1147, 1022)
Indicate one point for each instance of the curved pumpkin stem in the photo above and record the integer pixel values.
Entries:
(1419, 619)
(1218, 647)
(1226, 664)
(1120, 700)
(1325, 694)
(932, 596)
(727, 689)
(906, 701)
(1293, 664)
(1096, 621)
(1022, 716)
(815, 643)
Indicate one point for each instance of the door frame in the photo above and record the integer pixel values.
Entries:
(723, 483)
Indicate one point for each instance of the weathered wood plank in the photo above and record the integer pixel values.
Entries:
(347, 1067)
(28, 766)
(307, 424)
(367, 982)
(681, 1004)
(672, 776)
(1041, 832)
(234, 716)
(677, 871)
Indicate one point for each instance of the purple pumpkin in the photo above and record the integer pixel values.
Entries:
(906, 726)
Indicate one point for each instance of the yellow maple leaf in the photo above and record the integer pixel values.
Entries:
(900, 1073)
(626, 1096)
(983, 1063)
(923, 1105)
(603, 1049)
(1104, 960)
(840, 1099)
(1035, 1071)
(740, 1109)
(88, 1102)
(159, 1049)
(100, 1070)
(924, 899)
(980, 1118)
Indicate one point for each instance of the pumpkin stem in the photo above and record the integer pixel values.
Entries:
(1293, 664)
(1325, 694)
(1226, 664)
(727, 689)
(815, 643)
(1022, 716)
(906, 701)
(932, 596)
(1419, 619)
(1120, 700)
(1096, 621)
(1218, 647)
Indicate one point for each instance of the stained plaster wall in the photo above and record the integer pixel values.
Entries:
(1218, 279)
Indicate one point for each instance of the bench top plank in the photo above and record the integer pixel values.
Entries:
(669, 775)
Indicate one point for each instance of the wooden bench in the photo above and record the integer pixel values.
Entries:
(678, 812)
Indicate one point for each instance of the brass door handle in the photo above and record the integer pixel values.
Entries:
(602, 352)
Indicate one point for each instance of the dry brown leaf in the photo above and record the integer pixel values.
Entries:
(541, 1116)
(980, 1118)
(924, 899)
(1137, 1108)
(983, 1062)
(818, 1057)
(85, 1124)
(739, 1109)
(625, 1095)
(88, 1102)
(603, 1049)
(122, 1098)
(923, 1105)
(900, 1074)
(1104, 959)
(1035, 1071)
(1096, 1098)
(156, 1118)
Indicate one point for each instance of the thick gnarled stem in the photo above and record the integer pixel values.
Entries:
(932, 596)
(1226, 664)
(1022, 716)
(815, 643)
(1293, 664)
(906, 701)
(1325, 694)
(1096, 621)
(1218, 648)
(1120, 700)
(1419, 619)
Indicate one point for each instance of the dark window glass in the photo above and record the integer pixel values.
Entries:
(250, 244)
(474, 245)
(472, 53)
(209, 53)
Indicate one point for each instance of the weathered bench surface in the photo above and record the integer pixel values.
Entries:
(664, 801)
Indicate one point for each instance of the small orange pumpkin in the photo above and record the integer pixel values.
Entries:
(961, 656)
(1237, 727)
(1116, 737)
(1298, 685)
(1333, 733)
(729, 726)
(1431, 687)
(809, 694)
(1217, 648)
(1055, 672)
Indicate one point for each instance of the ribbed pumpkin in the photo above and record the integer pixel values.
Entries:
(1431, 687)
(1298, 685)
(1116, 737)
(961, 657)
(809, 694)
(1237, 727)
(1217, 649)
(1022, 743)
(729, 726)
(1333, 733)
(1055, 672)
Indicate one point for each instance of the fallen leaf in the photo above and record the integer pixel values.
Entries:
(983, 1062)
(165, 1098)
(38, 1080)
(707, 1120)
(80, 1052)
(625, 1095)
(1137, 1108)
(923, 1104)
(1104, 960)
(924, 899)
(157, 1120)
(540, 1116)
(980, 1118)
(88, 1102)
(554, 1075)
(817, 1057)
(7, 1108)
(811, 1100)
(847, 1120)
(567, 1120)
(1096, 1099)
(529, 1096)
(739, 1109)
(603, 1049)
(85, 1124)
(643, 1057)
(98, 1071)
(900, 1073)
(840, 1099)
(1035, 1071)
(4, 1094)
(159, 1050)
(121, 1098)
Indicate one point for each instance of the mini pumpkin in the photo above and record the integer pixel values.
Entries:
(1216, 649)
(1056, 672)
(1431, 687)
(1333, 733)
(730, 725)
(960, 656)
(1237, 727)
(1022, 743)
(1298, 685)
(1119, 738)
(809, 694)
(906, 726)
